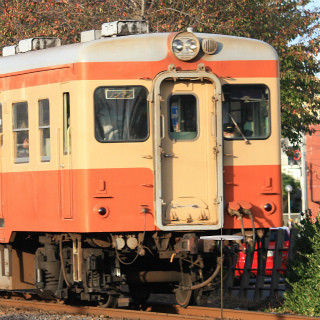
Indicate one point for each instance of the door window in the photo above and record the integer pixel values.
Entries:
(183, 117)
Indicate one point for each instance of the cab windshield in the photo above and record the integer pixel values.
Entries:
(246, 112)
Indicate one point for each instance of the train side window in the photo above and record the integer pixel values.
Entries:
(246, 111)
(20, 132)
(66, 122)
(183, 117)
(121, 114)
(44, 128)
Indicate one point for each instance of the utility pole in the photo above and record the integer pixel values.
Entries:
(304, 185)
(289, 189)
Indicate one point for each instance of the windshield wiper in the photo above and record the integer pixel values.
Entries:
(237, 127)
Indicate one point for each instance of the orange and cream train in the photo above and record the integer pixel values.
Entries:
(120, 152)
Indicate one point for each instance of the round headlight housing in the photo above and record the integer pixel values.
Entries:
(177, 46)
(185, 46)
(191, 46)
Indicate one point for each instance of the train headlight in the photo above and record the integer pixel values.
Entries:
(191, 46)
(177, 46)
(185, 46)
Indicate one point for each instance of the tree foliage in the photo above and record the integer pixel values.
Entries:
(288, 25)
(65, 19)
(303, 274)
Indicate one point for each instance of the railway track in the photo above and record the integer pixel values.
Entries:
(153, 312)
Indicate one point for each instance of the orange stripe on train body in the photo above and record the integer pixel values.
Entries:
(129, 204)
(259, 185)
(134, 70)
(125, 203)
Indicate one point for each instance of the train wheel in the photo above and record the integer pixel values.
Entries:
(110, 301)
(184, 296)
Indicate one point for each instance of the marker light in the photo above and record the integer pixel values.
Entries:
(268, 207)
(102, 211)
(185, 46)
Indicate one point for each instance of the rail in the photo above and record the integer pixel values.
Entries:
(154, 311)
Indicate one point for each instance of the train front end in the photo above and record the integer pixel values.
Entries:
(153, 141)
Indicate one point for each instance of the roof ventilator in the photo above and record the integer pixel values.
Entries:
(115, 29)
(31, 44)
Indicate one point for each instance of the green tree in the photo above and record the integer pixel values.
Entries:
(288, 25)
(303, 274)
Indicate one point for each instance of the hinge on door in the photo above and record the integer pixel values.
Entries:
(215, 151)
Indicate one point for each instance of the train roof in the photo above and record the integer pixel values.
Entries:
(142, 47)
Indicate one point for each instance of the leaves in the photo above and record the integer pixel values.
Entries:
(288, 25)
(64, 19)
(304, 270)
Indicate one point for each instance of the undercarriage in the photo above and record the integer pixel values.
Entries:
(114, 269)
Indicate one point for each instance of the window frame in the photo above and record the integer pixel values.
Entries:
(66, 123)
(42, 127)
(16, 129)
(124, 87)
(268, 106)
(197, 112)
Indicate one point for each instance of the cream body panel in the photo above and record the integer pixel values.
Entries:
(32, 95)
(237, 152)
(107, 155)
(86, 151)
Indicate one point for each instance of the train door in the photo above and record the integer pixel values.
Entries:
(65, 163)
(189, 189)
